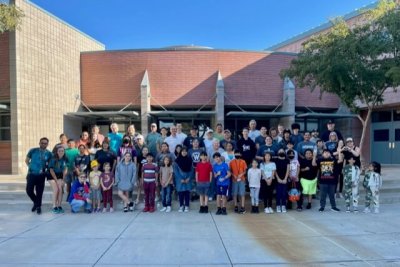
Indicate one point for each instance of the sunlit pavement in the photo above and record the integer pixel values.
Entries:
(307, 238)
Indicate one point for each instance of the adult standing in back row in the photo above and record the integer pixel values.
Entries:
(331, 128)
(37, 160)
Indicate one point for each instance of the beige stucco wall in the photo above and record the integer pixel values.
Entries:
(45, 77)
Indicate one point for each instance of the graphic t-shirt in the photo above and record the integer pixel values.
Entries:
(327, 170)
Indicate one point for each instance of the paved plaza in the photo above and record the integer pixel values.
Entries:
(307, 238)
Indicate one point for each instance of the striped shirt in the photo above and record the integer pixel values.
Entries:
(149, 171)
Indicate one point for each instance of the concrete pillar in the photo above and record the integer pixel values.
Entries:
(145, 107)
(289, 102)
(220, 101)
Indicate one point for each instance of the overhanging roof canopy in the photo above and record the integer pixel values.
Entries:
(102, 114)
(259, 114)
(188, 113)
(325, 115)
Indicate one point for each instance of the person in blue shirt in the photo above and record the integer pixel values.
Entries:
(115, 138)
(222, 177)
(37, 160)
(58, 170)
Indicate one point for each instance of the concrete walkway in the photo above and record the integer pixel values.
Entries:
(307, 238)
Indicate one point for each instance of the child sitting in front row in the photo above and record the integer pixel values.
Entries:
(372, 183)
(80, 195)
(351, 176)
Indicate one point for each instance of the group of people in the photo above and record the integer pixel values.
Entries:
(279, 162)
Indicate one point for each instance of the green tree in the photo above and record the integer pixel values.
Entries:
(10, 17)
(357, 64)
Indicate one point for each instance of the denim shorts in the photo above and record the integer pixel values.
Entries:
(202, 188)
(222, 190)
(238, 188)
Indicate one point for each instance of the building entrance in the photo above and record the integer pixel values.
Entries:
(385, 137)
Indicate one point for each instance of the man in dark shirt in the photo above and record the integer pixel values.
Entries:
(193, 135)
(247, 147)
(331, 128)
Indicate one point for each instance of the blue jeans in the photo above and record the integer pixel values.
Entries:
(77, 204)
(166, 195)
(281, 194)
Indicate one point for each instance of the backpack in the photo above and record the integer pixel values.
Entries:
(294, 194)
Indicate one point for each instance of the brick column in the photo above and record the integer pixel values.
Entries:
(145, 107)
(220, 100)
(289, 102)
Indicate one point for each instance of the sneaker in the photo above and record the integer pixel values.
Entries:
(256, 210)
(267, 211)
(111, 210)
(283, 209)
(104, 210)
(181, 208)
(131, 206)
(60, 210)
(163, 209)
(299, 208)
(186, 209)
(253, 209)
(367, 210)
(308, 206)
(168, 209)
(88, 211)
(146, 209)
(39, 210)
(55, 210)
(355, 209)
(201, 210)
(236, 209)
(151, 210)
(270, 210)
(321, 209)
(34, 208)
(376, 210)
(205, 209)
(219, 211)
(334, 209)
(125, 209)
(242, 210)
(347, 209)
(224, 211)
(278, 209)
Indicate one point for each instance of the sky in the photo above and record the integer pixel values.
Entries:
(220, 24)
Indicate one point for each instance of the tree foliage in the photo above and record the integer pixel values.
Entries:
(10, 17)
(357, 64)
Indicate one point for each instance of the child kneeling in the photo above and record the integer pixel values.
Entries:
(80, 195)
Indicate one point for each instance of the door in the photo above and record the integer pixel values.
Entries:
(385, 141)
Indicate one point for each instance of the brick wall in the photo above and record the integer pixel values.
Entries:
(188, 78)
(4, 67)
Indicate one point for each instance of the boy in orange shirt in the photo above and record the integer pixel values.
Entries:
(238, 169)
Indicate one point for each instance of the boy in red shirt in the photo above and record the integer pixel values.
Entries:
(203, 179)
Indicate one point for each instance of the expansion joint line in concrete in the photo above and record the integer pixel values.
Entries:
(220, 237)
(118, 237)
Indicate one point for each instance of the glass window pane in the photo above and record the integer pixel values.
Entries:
(396, 115)
(381, 135)
(5, 120)
(396, 135)
(381, 116)
(5, 134)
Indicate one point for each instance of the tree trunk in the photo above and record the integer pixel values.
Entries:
(364, 129)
